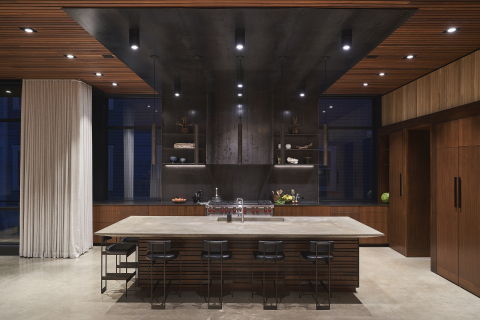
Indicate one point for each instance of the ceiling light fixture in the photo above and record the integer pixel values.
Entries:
(240, 73)
(114, 84)
(176, 88)
(134, 38)
(451, 30)
(410, 56)
(69, 56)
(346, 39)
(240, 39)
(382, 74)
(8, 91)
(302, 89)
(98, 74)
(365, 84)
(28, 30)
(331, 107)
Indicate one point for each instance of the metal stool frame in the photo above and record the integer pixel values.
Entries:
(208, 244)
(167, 247)
(266, 244)
(318, 244)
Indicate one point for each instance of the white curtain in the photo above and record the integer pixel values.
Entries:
(56, 169)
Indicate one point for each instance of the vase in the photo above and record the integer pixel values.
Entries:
(173, 159)
(184, 130)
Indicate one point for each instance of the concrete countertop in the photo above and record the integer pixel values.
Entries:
(208, 226)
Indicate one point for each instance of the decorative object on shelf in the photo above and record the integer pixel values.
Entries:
(288, 146)
(184, 145)
(305, 147)
(279, 160)
(292, 160)
(385, 197)
(292, 192)
(279, 146)
(307, 160)
(276, 195)
(184, 125)
(295, 127)
(173, 159)
(183, 160)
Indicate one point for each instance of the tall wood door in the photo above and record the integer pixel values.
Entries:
(396, 219)
(469, 219)
(447, 213)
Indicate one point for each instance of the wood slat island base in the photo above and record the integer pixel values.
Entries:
(187, 235)
(345, 267)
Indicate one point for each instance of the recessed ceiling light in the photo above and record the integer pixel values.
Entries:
(28, 30)
(324, 111)
(8, 91)
(365, 84)
(98, 74)
(239, 106)
(240, 85)
(69, 56)
(410, 56)
(331, 107)
(451, 30)
(239, 94)
(114, 84)
(382, 74)
(148, 106)
(302, 94)
(177, 94)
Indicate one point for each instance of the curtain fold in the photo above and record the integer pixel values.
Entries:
(56, 169)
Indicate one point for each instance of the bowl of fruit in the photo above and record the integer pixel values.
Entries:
(179, 200)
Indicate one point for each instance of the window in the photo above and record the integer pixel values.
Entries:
(348, 174)
(9, 169)
(131, 174)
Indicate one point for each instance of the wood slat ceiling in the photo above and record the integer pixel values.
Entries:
(40, 55)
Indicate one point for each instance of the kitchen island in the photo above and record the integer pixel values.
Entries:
(188, 232)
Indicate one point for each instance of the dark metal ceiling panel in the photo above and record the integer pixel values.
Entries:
(303, 35)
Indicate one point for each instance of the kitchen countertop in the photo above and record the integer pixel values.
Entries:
(190, 203)
(208, 226)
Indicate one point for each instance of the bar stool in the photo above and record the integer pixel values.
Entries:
(133, 265)
(270, 251)
(161, 251)
(215, 251)
(320, 251)
(117, 249)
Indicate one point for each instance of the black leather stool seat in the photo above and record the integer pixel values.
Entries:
(160, 256)
(129, 239)
(217, 256)
(321, 256)
(269, 256)
(120, 249)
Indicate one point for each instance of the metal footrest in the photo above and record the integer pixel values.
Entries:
(119, 276)
(128, 265)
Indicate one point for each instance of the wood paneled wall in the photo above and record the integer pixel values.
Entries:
(454, 85)
(372, 216)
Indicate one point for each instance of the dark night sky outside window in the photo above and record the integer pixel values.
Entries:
(348, 175)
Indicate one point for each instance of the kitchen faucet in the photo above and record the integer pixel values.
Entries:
(241, 208)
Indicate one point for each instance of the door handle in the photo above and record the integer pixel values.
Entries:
(400, 184)
(459, 192)
(455, 192)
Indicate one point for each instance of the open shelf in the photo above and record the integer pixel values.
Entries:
(297, 149)
(182, 148)
(298, 135)
(182, 134)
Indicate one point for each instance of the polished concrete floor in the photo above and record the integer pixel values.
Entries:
(391, 287)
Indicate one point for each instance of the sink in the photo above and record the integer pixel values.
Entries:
(253, 219)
